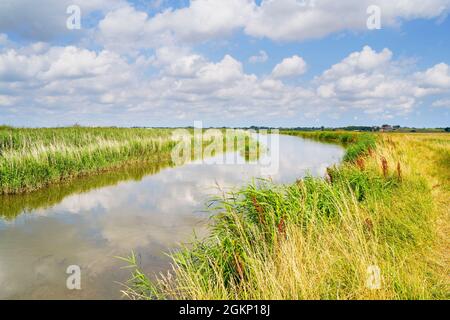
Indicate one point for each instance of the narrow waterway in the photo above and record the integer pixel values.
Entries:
(149, 210)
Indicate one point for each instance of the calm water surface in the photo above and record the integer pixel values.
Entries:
(146, 209)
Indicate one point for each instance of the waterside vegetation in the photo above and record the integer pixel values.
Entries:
(31, 159)
(375, 227)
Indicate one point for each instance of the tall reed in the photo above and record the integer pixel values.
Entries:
(33, 158)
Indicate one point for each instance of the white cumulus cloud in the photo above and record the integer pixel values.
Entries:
(289, 67)
(292, 20)
(437, 76)
(72, 84)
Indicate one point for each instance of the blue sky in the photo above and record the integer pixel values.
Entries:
(233, 63)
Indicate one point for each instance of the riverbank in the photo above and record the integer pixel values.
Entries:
(31, 159)
(375, 228)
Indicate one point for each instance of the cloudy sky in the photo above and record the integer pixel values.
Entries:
(224, 62)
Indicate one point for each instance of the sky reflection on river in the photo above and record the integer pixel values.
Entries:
(150, 214)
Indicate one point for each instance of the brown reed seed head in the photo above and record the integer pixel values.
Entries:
(239, 268)
(384, 166)
(281, 228)
(259, 209)
(360, 163)
(368, 224)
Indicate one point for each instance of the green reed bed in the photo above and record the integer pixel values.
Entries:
(12, 205)
(33, 158)
(356, 143)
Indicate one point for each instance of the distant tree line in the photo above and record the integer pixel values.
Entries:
(384, 127)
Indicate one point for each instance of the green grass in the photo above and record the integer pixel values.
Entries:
(316, 239)
(33, 158)
(12, 205)
(357, 143)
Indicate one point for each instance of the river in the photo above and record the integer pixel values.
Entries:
(150, 210)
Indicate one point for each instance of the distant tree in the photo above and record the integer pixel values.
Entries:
(447, 129)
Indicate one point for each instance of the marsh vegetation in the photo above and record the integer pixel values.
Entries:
(31, 159)
(387, 206)
(34, 158)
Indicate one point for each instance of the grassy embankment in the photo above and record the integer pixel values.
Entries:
(387, 206)
(31, 159)
(12, 205)
(34, 158)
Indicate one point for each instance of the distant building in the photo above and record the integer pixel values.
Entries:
(386, 127)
